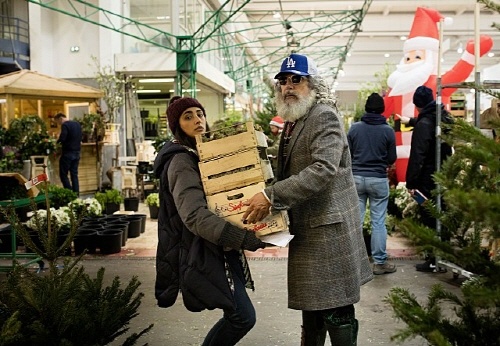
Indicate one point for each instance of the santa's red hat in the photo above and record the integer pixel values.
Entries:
(424, 32)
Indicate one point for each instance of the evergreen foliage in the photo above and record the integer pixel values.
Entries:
(63, 306)
(264, 117)
(470, 187)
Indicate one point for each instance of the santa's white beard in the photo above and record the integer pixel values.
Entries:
(294, 109)
(409, 77)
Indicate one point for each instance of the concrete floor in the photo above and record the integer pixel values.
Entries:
(276, 324)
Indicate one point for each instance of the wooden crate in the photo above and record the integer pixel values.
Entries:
(231, 202)
(249, 139)
(277, 222)
(234, 171)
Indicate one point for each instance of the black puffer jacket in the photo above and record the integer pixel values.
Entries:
(422, 161)
(188, 257)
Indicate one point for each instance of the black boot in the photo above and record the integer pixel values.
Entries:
(344, 335)
(313, 330)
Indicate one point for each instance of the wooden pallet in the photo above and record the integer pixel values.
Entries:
(249, 139)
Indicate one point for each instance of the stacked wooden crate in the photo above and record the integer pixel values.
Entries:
(233, 169)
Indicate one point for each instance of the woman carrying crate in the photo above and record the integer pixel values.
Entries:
(198, 252)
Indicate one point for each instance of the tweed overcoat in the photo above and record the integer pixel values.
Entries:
(327, 261)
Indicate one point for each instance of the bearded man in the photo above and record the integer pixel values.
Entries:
(327, 259)
(418, 67)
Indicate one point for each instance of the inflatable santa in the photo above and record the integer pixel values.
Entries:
(419, 67)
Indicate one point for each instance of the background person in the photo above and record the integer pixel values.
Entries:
(71, 144)
(198, 252)
(327, 260)
(422, 161)
(276, 125)
(373, 149)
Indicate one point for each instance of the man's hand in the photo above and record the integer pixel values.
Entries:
(404, 120)
(258, 208)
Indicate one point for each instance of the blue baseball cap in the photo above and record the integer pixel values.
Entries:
(298, 64)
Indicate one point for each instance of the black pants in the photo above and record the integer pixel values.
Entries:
(69, 163)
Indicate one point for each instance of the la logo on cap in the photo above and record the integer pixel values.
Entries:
(290, 62)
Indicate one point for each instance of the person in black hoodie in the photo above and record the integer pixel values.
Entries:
(198, 252)
(372, 143)
(422, 161)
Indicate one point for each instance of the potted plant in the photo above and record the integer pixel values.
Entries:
(93, 127)
(110, 200)
(32, 301)
(153, 202)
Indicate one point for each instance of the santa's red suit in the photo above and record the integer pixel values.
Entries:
(421, 49)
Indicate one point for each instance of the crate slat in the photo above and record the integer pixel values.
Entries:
(228, 145)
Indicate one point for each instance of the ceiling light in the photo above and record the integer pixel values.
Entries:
(148, 91)
(184, 91)
(283, 39)
(387, 55)
(491, 55)
(156, 80)
(276, 15)
(74, 49)
(460, 48)
(403, 38)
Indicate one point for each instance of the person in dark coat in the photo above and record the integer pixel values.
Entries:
(422, 161)
(199, 253)
(372, 143)
(71, 144)
(327, 259)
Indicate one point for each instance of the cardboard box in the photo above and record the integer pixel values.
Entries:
(231, 202)
(249, 139)
(234, 171)
(277, 222)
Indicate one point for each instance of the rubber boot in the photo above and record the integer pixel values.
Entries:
(344, 335)
(313, 337)
(313, 329)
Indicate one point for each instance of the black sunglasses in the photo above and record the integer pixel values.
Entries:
(294, 79)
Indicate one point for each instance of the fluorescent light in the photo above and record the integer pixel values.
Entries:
(156, 80)
(185, 90)
(146, 91)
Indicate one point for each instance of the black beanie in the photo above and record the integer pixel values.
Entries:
(176, 107)
(375, 104)
(422, 96)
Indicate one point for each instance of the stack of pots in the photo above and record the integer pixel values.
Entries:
(135, 225)
(118, 222)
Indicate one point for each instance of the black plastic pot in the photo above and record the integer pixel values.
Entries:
(61, 238)
(85, 239)
(119, 225)
(134, 227)
(111, 208)
(143, 221)
(153, 211)
(5, 238)
(131, 203)
(109, 241)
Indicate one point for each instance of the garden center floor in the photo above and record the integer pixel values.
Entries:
(276, 324)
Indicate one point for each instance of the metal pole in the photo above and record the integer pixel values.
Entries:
(438, 125)
(477, 74)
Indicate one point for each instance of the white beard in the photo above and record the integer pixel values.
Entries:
(296, 109)
(409, 77)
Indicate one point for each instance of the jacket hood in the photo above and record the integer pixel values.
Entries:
(429, 111)
(168, 150)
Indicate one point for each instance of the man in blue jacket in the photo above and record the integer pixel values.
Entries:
(372, 143)
(71, 142)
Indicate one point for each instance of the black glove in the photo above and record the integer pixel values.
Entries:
(236, 238)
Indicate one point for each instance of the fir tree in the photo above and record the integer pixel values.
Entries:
(469, 183)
